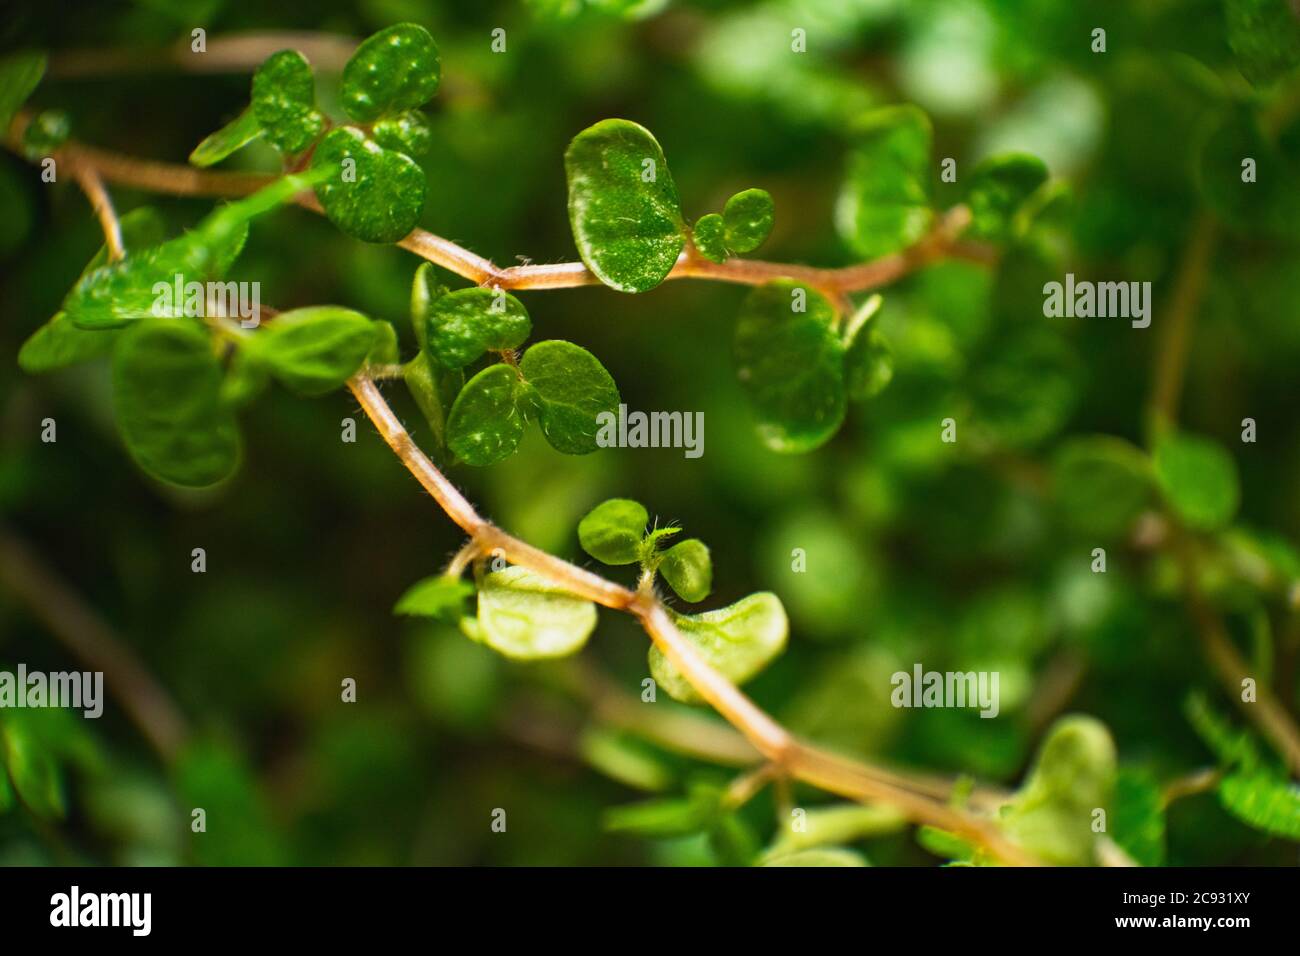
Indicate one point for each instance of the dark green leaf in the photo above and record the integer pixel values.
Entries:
(19, 75)
(998, 187)
(868, 365)
(485, 423)
(687, 568)
(791, 364)
(527, 617)
(1199, 480)
(284, 101)
(1265, 36)
(739, 641)
(371, 193)
(236, 134)
(167, 400)
(395, 70)
(47, 131)
(884, 204)
(314, 350)
(439, 596)
(464, 324)
(709, 237)
(748, 216)
(407, 133)
(612, 531)
(1101, 484)
(571, 389)
(623, 205)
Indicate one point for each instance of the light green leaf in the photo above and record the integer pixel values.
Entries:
(1101, 484)
(791, 364)
(709, 237)
(59, 343)
(485, 423)
(464, 324)
(1265, 36)
(1073, 775)
(748, 217)
(314, 350)
(167, 401)
(1232, 747)
(1199, 480)
(739, 641)
(385, 350)
(284, 101)
(394, 70)
(623, 205)
(677, 816)
(821, 856)
(998, 187)
(571, 389)
(20, 73)
(528, 617)
(1264, 801)
(688, 569)
(236, 134)
(613, 530)
(884, 204)
(439, 596)
(842, 823)
(407, 133)
(868, 365)
(371, 193)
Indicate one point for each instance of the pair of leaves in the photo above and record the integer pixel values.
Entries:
(744, 225)
(615, 532)
(375, 190)
(559, 384)
(796, 368)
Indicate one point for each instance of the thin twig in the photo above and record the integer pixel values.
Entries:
(90, 183)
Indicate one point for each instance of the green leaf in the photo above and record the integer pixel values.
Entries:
(1101, 484)
(425, 288)
(571, 389)
(20, 73)
(439, 596)
(33, 769)
(842, 823)
(791, 364)
(528, 617)
(678, 816)
(623, 205)
(1138, 820)
(407, 132)
(687, 568)
(47, 131)
(59, 343)
(314, 350)
(1073, 775)
(748, 217)
(464, 324)
(394, 70)
(167, 401)
(868, 365)
(485, 423)
(1232, 747)
(1027, 387)
(709, 237)
(884, 204)
(385, 350)
(624, 758)
(236, 134)
(998, 187)
(1198, 479)
(284, 101)
(739, 640)
(1264, 801)
(371, 193)
(1265, 36)
(613, 530)
(422, 380)
(821, 856)
(122, 292)
(1265, 204)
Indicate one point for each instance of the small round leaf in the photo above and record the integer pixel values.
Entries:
(612, 531)
(371, 193)
(284, 101)
(572, 390)
(314, 350)
(394, 70)
(464, 324)
(884, 204)
(748, 216)
(407, 133)
(709, 237)
(485, 423)
(1199, 479)
(528, 617)
(687, 568)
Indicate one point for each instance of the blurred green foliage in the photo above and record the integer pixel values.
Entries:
(973, 555)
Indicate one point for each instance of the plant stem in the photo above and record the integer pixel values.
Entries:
(828, 771)
(94, 189)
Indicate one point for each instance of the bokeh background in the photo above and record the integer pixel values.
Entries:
(961, 559)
